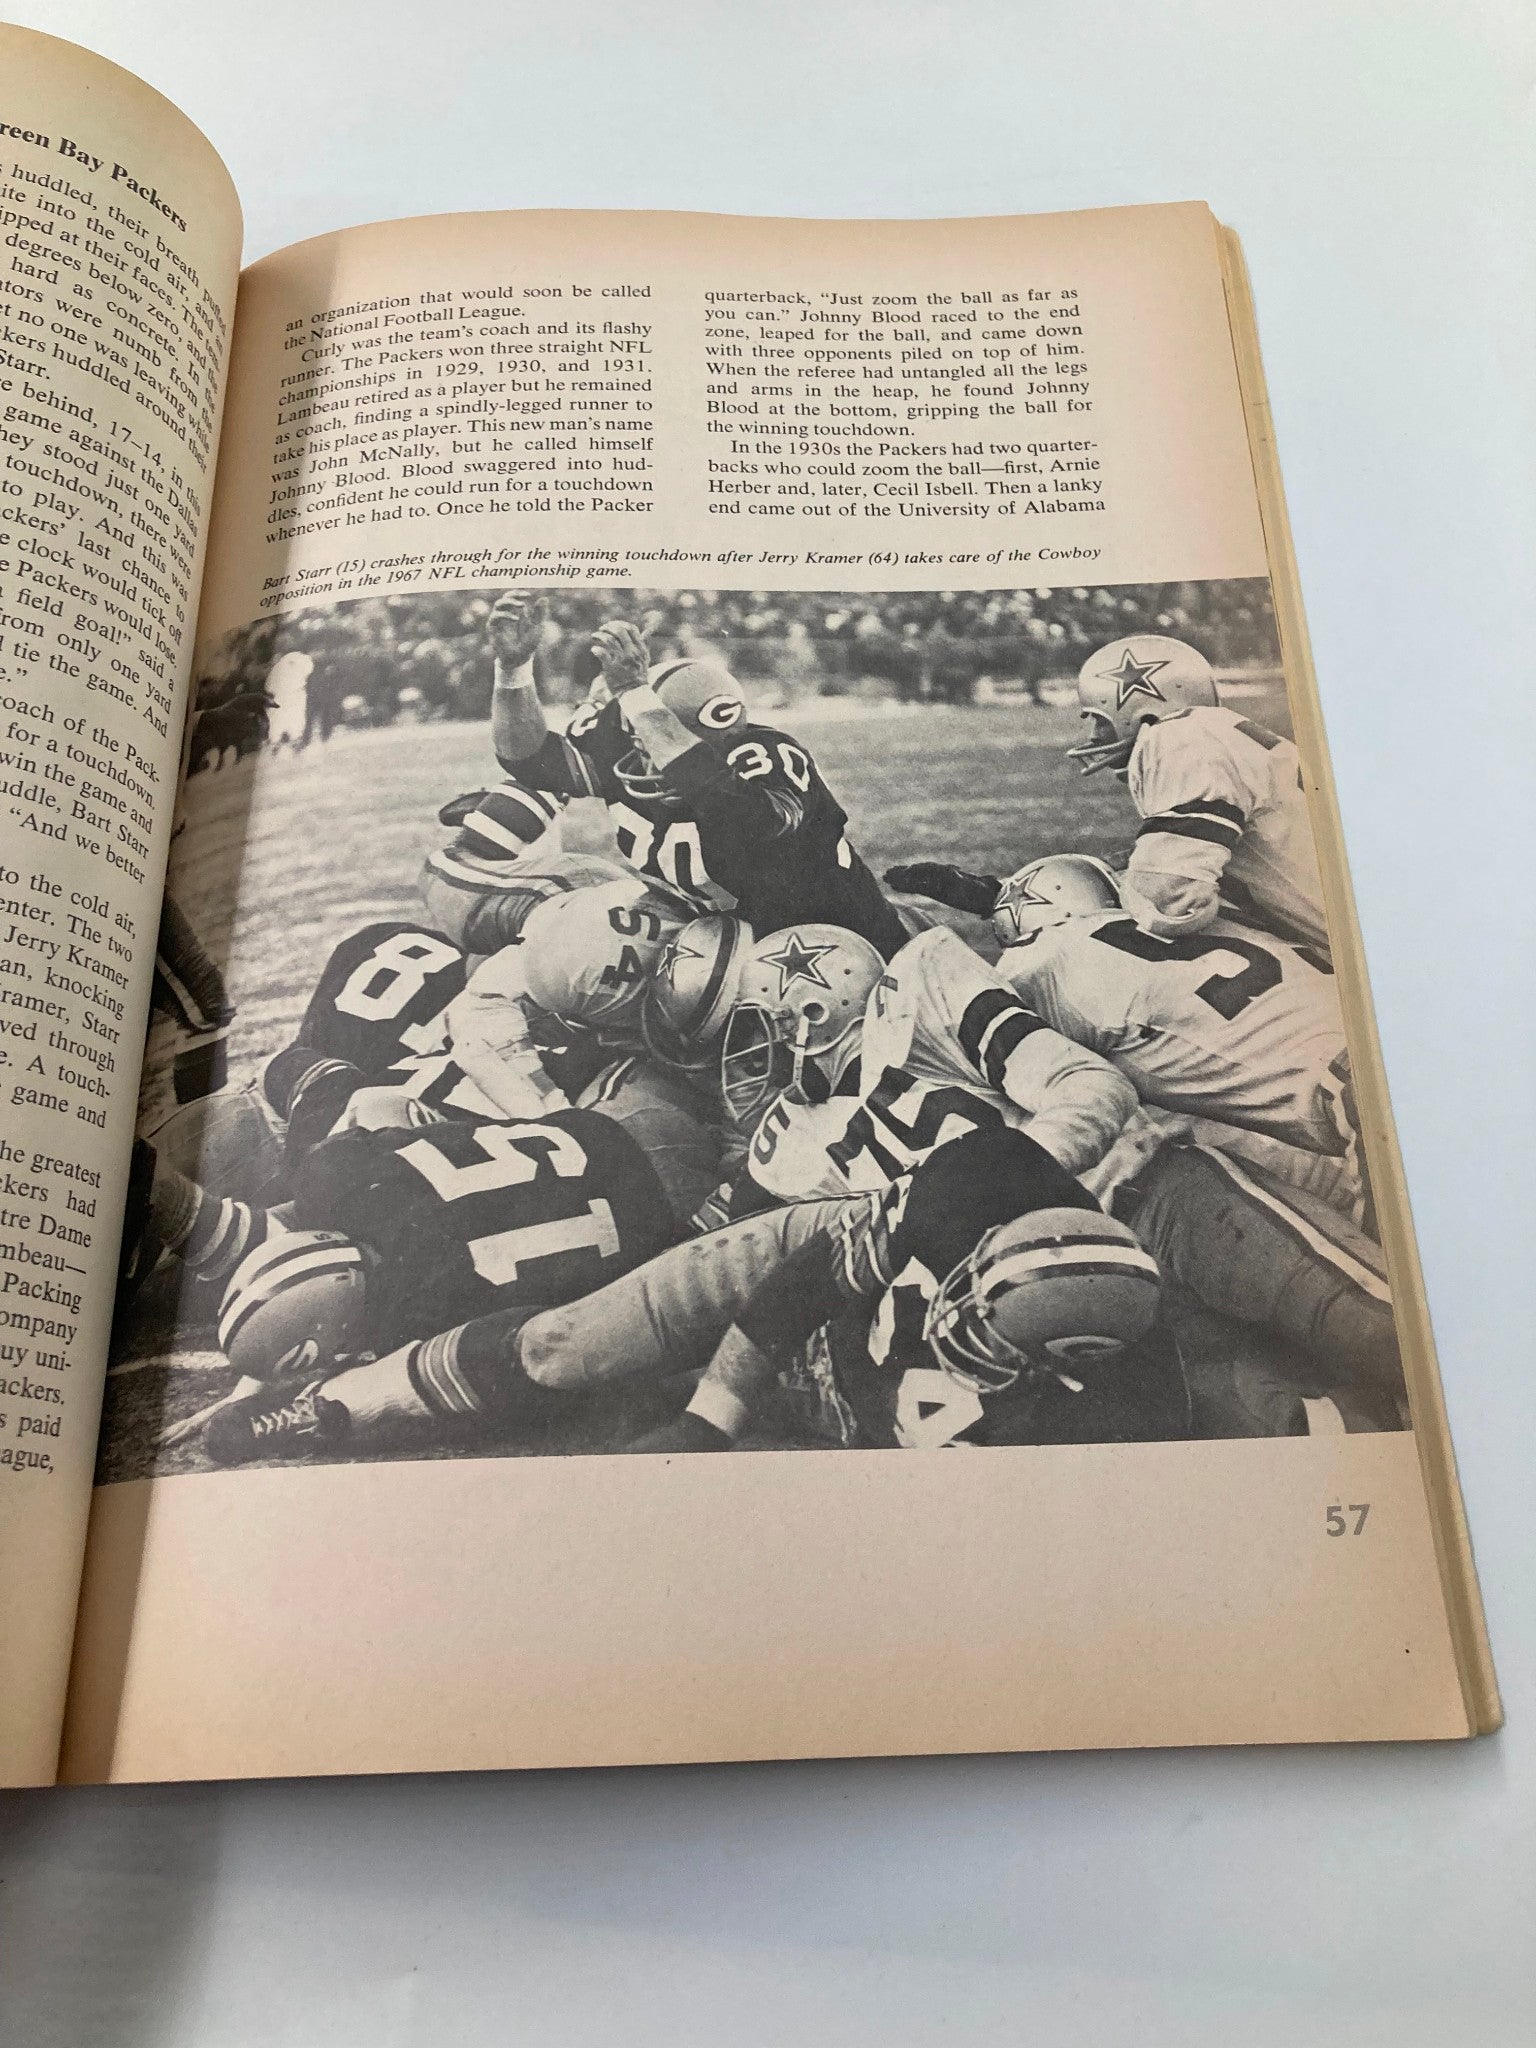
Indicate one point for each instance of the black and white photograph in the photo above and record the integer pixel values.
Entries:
(656, 1021)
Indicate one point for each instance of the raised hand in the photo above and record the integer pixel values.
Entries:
(621, 649)
(515, 627)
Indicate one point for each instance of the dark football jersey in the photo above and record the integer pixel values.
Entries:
(382, 996)
(758, 830)
(466, 1218)
(899, 1253)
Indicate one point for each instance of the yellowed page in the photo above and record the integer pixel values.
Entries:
(117, 272)
(1034, 424)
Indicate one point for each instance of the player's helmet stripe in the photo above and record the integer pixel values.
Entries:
(725, 959)
(274, 1274)
(668, 670)
(1085, 1255)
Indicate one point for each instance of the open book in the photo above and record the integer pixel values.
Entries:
(687, 1071)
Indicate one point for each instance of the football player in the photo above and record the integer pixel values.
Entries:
(392, 1234)
(1011, 1318)
(540, 1019)
(1221, 798)
(1223, 809)
(730, 814)
(1219, 1024)
(383, 995)
(849, 1071)
(497, 835)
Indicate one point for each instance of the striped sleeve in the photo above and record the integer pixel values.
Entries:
(992, 1028)
(1211, 818)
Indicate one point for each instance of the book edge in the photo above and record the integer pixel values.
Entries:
(1437, 1457)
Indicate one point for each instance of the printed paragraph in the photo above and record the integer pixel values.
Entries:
(499, 398)
(900, 407)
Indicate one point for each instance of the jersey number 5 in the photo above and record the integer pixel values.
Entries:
(515, 1155)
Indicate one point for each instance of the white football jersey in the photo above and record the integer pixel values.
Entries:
(946, 1048)
(1225, 1023)
(1223, 809)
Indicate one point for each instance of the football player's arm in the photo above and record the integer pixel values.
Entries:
(942, 883)
(1195, 808)
(1077, 1102)
(520, 733)
(489, 1031)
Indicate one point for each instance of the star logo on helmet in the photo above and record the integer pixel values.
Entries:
(796, 961)
(677, 953)
(1133, 678)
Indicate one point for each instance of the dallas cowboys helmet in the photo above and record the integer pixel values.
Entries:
(694, 989)
(294, 1305)
(1048, 892)
(588, 955)
(1123, 685)
(1057, 1292)
(797, 1020)
(705, 697)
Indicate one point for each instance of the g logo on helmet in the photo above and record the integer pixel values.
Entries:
(1084, 1350)
(297, 1303)
(721, 712)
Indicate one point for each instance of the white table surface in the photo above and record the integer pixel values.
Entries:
(1378, 163)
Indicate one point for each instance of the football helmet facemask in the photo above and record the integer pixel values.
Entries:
(798, 1018)
(693, 991)
(1123, 685)
(295, 1305)
(1059, 1292)
(1048, 892)
(706, 698)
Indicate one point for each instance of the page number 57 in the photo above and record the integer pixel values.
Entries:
(1348, 1521)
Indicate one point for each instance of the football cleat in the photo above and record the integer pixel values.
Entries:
(705, 697)
(1050, 891)
(296, 1303)
(798, 1017)
(275, 1425)
(1122, 686)
(1057, 1292)
(693, 991)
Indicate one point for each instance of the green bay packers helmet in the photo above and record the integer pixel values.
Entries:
(1058, 1291)
(294, 1304)
(589, 955)
(694, 989)
(1130, 681)
(704, 696)
(1049, 891)
(798, 1017)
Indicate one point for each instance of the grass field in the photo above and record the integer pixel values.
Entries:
(282, 856)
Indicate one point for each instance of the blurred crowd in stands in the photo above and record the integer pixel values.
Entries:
(369, 661)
